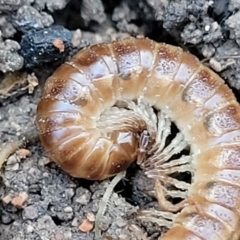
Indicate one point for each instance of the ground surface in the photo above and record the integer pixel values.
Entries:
(57, 204)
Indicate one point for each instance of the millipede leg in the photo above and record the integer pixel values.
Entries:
(164, 203)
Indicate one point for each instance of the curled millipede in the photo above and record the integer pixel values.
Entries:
(87, 140)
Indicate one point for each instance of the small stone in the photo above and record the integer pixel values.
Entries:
(58, 236)
(207, 28)
(15, 167)
(45, 174)
(214, 26)
(67, 235)
(6, 219)
(91, 217)
(215, 65)
(43, 161)
(84, 198)
(12, 160)
(19, 200)
(29, 229)
(23, 153)
(86, 226)
(74, 222)
(76, 38)
(122, 223)
(30, 212)
(68, 209)
(7, 199)
(69, 192)
(208, 50)
(58, 43)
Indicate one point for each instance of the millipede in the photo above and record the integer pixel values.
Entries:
(86, 144)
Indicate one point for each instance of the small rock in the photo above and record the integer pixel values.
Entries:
(6, 219)
(68, 209)
(30, 212)
(69, 192)
(91, 217)
(12, 160)
(86, 226)
(74, 222)
(58, 236)
(83, 196)
(15, 167)
(122, 223)
(67, 235)
(19, 200)
(76, 38)
(10, 60)
(23, 153)
(7, 199)
(29, 229)
(215, 65)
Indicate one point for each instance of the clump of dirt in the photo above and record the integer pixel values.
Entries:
(57, 204)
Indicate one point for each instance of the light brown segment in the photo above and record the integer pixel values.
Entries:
(227, 216)
(216, 187)
(74, 87)
(127, 57)
(161, 75)
(224, 120)
(106, 80)
(202, 86)
(203, 124)
(94, 161)
(220, 164)
(59, 127)
(212, 126)
(57, 120)
(180, 233)
(221, 193)
(231, 137)
(202, 225)
(146, 48)
(104, 52)
(215, 210)
(177, 107)
(221, 98)
(101, 157)
(49, 106)
(76, 146)
(89, 62)
(229, 176)
(215, 215)
(221, 157)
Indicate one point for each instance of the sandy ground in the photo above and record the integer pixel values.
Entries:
(57, 203)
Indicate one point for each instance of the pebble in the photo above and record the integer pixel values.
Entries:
(67, 235)
(29, 229)
(68, 209)
(30, 212)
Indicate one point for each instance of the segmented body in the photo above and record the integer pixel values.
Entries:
(171, 80)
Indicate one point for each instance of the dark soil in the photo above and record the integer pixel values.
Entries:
(57, 203)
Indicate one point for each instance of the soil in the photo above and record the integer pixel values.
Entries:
(57, 204)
